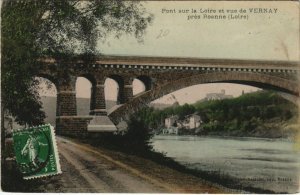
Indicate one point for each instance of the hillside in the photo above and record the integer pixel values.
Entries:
(258, 114)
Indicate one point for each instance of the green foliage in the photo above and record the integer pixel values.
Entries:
(246, 112)
(243, 113)
(155, 118)
(184, 110)
(61, 29)
(138, 135)
(18, 52)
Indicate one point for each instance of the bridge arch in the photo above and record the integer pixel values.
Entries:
(137, 87)
(84, 87)
(120, 82)
(249, 78)
(48, 77)
(91, 78)
(48, 96)
(141, 84)
(146, 81)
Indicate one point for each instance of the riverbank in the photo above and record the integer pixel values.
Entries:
(252, 164)
(97, 169)
(216, 178)
(230, 137)
(153, 165)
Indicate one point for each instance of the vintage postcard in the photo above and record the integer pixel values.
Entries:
(150, 96)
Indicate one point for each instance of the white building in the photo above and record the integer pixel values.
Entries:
(194, 121)
(183, 124)
(170, 121)
(171, 130)
(190, 122)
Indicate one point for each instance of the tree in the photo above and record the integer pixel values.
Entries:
(183, 111)
(138, 136)
(61, 28)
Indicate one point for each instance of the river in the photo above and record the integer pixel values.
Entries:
(271, 164)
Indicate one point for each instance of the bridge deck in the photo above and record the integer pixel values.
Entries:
(193, 62)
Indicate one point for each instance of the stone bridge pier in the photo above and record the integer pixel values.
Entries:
(66, 97)
(100, 121)
(98, 106)
(67, 121)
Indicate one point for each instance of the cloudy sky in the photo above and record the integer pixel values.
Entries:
(272, 36)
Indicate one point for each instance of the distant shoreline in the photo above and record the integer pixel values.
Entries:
(226, 137)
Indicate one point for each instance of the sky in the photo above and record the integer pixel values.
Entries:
(263, 36)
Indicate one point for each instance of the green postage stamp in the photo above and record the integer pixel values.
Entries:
(36, 151)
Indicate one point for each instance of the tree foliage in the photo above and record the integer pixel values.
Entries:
(33, 29)
(154, 119)
(242, 113)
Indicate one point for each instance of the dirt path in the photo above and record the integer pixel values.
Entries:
(89, 169)
(98, 173)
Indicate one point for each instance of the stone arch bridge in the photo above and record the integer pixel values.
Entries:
(160, 75)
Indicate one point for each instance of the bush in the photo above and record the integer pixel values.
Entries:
(138, 136)
(136, 140)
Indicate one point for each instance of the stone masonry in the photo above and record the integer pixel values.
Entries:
(160, 77)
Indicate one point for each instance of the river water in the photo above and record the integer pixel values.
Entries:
(271, 164)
